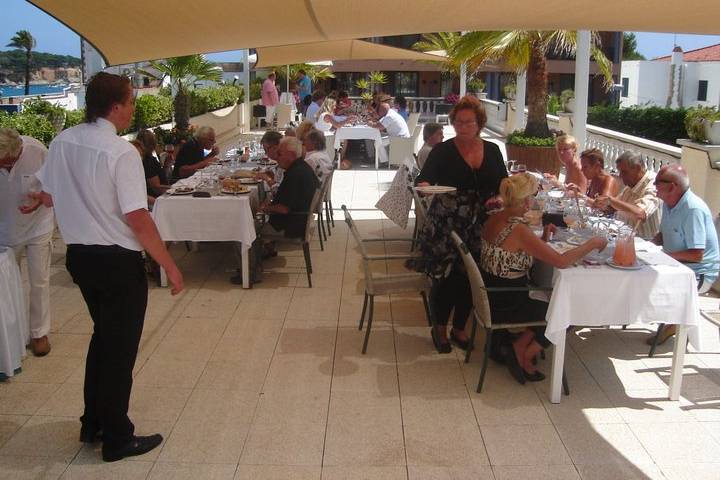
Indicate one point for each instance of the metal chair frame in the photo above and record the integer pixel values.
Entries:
(481, 310)
(405, 282)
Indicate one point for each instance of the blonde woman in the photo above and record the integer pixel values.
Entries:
(566, 148)
(508, 249)
(326, 119)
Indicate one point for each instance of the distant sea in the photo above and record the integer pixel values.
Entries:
(8, 91)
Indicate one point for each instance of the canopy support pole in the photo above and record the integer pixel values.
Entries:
(582, 75)
(463, 76)
(246, 89)
(520, 89)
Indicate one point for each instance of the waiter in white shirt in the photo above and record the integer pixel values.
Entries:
(95, 180)
(20, 158)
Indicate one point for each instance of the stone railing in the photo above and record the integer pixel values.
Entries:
(613, 143)
(424, 105)
(610, 142)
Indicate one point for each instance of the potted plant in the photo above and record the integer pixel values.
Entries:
(476, 86)
(538, 153)
(567, 100)
(509, 91)
(703, 125)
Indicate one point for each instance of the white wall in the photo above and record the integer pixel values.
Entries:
(648, 82)
(696, 71)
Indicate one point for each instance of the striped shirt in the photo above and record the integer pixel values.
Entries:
(643, 195)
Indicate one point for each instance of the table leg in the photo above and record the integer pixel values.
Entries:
(163, 277)
(678, 362)
(377, 154)
(557, 369)
(245, 265)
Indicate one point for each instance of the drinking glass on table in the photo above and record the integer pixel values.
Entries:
(511, 166)
(571, 215)
(624, 255)
(521, 167)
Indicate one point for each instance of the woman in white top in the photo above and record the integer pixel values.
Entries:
(326, 120)
(316, 156)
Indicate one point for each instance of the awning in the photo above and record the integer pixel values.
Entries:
(335, 50)
(126, 31)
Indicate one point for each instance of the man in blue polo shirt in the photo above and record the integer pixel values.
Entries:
(687, 232)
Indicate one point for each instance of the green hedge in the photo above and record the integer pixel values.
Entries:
(30, 124)
(151, 110)
(660, 124)
(74, 117)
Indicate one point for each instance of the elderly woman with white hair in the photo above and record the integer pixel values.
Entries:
(508, 249)
(638, 200)
(197, 153)
(315, 154)
(26, 229)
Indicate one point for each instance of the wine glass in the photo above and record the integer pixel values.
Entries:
(511, 166)
(521, 167)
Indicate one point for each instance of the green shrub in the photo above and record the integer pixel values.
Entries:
(151, 110)
(695, 119)
(553, 104)
(203, 100)
(38, 106)
(30, 124)
(660, 124)
(74, 117)
(518, 138)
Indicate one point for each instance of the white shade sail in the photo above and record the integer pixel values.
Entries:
(336, 50)
(126, 31)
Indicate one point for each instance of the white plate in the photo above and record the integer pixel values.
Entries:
(182, 192)
(556, 194)
(266, 162)
(612, 264)
(229, 192)
(435, 189)
(575, 240)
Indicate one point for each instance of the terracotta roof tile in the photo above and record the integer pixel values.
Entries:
(704, 54)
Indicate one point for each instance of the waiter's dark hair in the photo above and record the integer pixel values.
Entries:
(103, 91)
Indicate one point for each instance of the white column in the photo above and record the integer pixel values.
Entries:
(463, 76)
(582, 76)
(287, 78)
(520, 89)
(246, 88)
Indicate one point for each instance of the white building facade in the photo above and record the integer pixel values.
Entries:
(680, 80)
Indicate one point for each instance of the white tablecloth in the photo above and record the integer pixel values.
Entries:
(215, 219)
(361, 132)
(14, 328)
(607, 296)
(662, 291)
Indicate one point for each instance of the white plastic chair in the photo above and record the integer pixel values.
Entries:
(413, 121)
(284, 115)
(402, 148)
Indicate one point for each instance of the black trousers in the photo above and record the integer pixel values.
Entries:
(113, 283)
(451, 292)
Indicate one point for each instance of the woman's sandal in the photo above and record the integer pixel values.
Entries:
(441, 347)
(463, 344)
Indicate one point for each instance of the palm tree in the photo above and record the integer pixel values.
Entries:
(315, 72)
(183, 73)
(526, 50)
(24, 41)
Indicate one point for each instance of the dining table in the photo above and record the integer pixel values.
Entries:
(597, 292)
(214, 217)
(363, 132)
(14, 327)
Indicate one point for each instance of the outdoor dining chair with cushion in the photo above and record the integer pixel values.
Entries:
(304, 241)
(327, 199)
(481, 312)
(402, 148)
(412, 121)
(421, 207)
(384, 284)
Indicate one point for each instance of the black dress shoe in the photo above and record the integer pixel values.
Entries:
(538, 376)
(463, 344)
(513, 366)
(441, 347)
(90, 434)
(136, 446)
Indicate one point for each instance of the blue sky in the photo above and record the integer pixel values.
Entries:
(54, 37)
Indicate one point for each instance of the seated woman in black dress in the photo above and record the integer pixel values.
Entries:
(508, 248)
(155, 176)
(474, 167)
